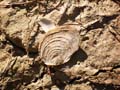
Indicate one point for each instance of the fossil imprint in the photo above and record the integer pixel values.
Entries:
(58, 45)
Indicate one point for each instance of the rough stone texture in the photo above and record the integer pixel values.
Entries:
(95, 66)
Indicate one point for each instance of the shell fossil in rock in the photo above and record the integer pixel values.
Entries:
(58, 45)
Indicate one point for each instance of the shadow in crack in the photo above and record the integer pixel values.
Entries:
(101, 24)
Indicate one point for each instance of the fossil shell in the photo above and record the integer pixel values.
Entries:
(58, 45)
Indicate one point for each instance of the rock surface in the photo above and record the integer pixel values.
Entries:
(95, 66)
